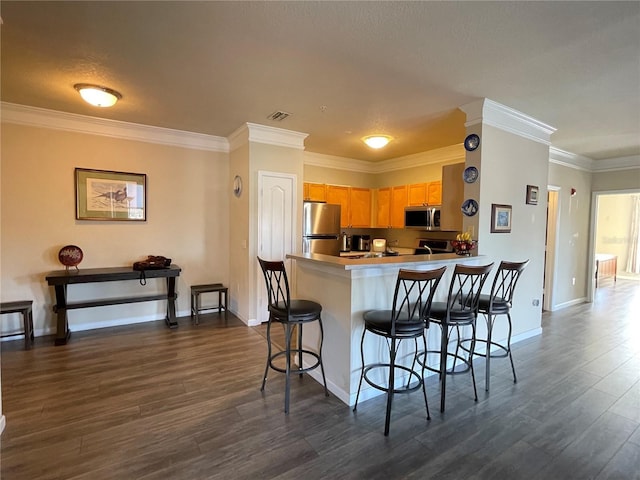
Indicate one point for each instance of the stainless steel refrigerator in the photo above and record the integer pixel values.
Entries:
(321, 228)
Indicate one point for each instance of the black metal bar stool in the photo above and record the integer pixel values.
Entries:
(197, 290)
(290, 313)
(25, 308)
(498, 302)
(406, 320)
(460, 310)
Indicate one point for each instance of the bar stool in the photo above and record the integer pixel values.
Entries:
(25, 308)
(498, 302)
(406, 320)
(460, 310)
(290, 313)
(197, 290)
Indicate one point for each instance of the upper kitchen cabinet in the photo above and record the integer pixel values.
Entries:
(399, 200)
(383, 215)
(425, 193)
(315, 192)
(434, 193)
(391, 204)
(452, 197)
(355, 205)
(360, 207)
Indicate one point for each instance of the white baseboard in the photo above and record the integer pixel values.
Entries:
(570, 303)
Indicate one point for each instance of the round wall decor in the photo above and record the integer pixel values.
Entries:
(237, 186)
(471, 142)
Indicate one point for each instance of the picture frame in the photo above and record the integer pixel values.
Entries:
(501, 218)
(532, 195)
(107, 195)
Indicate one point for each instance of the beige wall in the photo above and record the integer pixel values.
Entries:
(616, 180)
(572, 254)
(501, 160)
(187, 220)
(334, 176)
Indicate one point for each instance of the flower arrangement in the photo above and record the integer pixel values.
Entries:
(463, 244)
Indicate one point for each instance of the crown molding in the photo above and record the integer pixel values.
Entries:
(586, 164)
(337, 163)
(570, 160)
(505, 118)
(449, 154)
(253, 132)
(616, 164)
(71, 122)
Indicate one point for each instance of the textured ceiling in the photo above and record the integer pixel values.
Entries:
(342, 69)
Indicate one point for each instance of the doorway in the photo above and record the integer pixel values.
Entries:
(615, 220)
(551, 240)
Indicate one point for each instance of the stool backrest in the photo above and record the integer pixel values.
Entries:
(464, 290)
(275, 277)
(504, 283)
(414, 294)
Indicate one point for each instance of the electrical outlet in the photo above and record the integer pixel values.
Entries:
(573, 281)
(535, 302)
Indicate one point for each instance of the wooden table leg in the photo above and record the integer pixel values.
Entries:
(170, 319)
(62, 331)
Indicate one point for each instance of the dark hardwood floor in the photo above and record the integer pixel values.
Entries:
(145, 402)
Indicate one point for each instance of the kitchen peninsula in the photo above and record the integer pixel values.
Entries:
(348, 287)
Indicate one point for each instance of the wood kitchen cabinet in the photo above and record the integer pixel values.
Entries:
(391, 204)
(434, 193)
(315, 192)
(383, 213)
(429, 193)
(360, 199)
(399, 200)
(355, 205)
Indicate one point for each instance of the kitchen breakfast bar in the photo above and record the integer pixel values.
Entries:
(348, 287)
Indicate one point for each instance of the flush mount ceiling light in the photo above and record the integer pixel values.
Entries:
(377, 141)
(97, 95)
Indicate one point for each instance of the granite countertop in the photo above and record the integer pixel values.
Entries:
(351, 263)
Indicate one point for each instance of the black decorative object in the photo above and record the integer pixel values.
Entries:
(471, 142)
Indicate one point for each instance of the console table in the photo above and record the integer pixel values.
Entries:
(62, 278)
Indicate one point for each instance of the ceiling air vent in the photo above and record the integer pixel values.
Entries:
(278, 116)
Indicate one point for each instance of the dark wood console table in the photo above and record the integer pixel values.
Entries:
(62, 278)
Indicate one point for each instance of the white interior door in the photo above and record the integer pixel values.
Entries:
(277, 211)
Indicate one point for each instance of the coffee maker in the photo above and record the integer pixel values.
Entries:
(361, 243)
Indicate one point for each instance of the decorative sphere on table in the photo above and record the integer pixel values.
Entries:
(70, 256)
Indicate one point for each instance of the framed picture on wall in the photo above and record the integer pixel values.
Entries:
(106, 195)
(500, 218)
(532, 194)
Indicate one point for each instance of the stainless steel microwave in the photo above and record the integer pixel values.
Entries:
(422, 218)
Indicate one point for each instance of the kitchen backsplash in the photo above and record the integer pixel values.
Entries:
(405, 237)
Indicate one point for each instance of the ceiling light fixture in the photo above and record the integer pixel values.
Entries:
(377, 141)
(96, 95)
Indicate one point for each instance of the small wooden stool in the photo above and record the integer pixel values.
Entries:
(25, 308)
(196, 290)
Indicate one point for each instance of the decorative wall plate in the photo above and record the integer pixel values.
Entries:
(471, 142)
(470, 174)
(237, 186)
(469, 207)
(70, 256)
